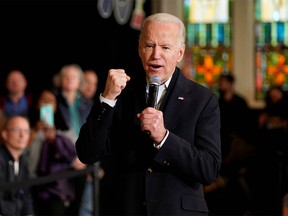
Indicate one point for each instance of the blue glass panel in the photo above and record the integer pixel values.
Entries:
(221, 34)
(280, 32)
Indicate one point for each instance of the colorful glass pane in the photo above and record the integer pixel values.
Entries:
(206, 11)
(271, 10)
(271, 69)
(271, 45)
(208, 52)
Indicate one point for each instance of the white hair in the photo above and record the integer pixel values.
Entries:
(166, 18)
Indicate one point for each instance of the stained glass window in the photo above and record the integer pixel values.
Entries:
(209, 33)
(271, 29)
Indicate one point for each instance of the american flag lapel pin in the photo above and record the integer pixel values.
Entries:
(181, 98)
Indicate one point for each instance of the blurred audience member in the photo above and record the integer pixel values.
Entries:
(235, 114)
(88, 90)
(17, 101)
(13, 167)
(233, 195)
(56, 82)
(2, 123)
(45, 99)
(270, 172)
(275, 113)
(90, 85)
(51, 152)
(73, 108)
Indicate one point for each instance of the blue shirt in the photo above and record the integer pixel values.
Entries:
(19, 108)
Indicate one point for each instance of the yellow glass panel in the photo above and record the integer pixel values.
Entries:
(209, 11)
(274, 10)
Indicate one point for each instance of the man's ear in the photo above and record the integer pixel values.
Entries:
(4, 134)
(181, 53)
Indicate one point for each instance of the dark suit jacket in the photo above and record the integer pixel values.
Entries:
(16, 202)
(168, 181)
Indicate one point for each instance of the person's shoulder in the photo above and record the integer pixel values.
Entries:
(3, 152)
(29, 97)
(66, 137)
(196, 90)
(240, 98)
(184, 80)
(2, 147)
(85, 101)
(202, 89)
(24, 159)
(3, 98)
(63, 137)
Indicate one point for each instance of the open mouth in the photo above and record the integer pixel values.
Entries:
(155, 66)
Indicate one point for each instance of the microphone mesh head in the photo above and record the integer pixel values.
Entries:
(155, 80)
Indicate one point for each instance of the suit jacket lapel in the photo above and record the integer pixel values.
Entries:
(174, 101)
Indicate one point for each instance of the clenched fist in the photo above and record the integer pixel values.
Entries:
(115, 83)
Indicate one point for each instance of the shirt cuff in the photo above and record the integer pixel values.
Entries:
(162, 142)
(111, 103)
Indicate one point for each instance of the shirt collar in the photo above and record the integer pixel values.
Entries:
(163, 85)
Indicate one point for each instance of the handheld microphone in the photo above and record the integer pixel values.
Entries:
(154, 83)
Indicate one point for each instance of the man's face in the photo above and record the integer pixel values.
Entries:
(160, 49)
(16, 135)
(70, 80)
(224, 85)
(90, 87)
(16, 82)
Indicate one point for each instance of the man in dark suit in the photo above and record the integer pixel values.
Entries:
(161, 172)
